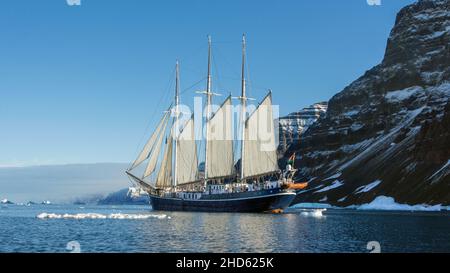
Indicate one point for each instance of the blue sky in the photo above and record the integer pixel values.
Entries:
(80, 84)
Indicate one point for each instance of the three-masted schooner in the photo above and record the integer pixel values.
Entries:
(253, 184)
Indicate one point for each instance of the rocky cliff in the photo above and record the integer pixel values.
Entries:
(388, 133)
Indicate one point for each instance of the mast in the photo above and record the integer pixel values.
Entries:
(243, 106)
(208, 107)
(177, 101)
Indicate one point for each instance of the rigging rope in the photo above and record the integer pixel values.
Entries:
(162, 98)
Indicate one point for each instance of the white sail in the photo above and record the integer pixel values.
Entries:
(187, 162)
(260, 148)
(220, 142)
(164, 178)
(149, 146)
(151, 165)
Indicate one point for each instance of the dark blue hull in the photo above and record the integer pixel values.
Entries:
(261, 201)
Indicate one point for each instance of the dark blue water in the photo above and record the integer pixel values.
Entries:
(294, 231)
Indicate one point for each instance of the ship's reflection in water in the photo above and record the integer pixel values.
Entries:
(139, 229)
(301, 231)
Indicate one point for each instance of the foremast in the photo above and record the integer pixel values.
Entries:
(176, 127)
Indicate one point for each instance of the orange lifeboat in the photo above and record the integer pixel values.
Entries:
(297, 186)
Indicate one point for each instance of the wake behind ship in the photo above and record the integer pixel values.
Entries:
(253, 183)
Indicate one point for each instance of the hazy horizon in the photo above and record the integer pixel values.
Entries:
(61, 183)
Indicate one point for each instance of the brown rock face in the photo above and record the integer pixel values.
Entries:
(392, 125)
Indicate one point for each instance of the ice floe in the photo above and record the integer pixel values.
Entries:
(388, 203)
(45, 215)
(316, 213)
(5, 201)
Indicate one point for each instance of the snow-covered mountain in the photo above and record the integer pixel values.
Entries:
(388, 133)
(126, 196)
(295, 124)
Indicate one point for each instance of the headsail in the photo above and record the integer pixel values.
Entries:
(151, 165)
(149, 146)
(260, 148)
(186, 161)
(164, 178)
(220, 142)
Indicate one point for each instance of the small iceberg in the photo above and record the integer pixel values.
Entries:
(316, 213)
(6, 202)
(388, 203)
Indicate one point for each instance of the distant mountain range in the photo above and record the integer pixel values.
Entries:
(61, 183)
(388, 132)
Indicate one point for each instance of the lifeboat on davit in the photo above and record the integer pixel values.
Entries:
(296, 186)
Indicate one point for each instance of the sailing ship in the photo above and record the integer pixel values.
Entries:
(254, 183)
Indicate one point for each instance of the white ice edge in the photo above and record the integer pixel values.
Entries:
(45, 215)
(316, 213)
(388, 203)
(383, 203)
(311, 206)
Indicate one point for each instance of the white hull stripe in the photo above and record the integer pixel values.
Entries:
(222, 200)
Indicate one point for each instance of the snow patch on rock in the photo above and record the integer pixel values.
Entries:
(368, 187)
(335, 184)
(401, 95)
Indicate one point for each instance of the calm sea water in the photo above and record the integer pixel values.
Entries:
(139, 229)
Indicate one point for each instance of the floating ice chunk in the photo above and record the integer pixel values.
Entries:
(388, 203)
(316, 213)
(101, 216)
(137, 216)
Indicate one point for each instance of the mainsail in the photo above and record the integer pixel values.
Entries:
(220, 142)
(260, 148)
(164, 177)
(149, 146)
(186, 161)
